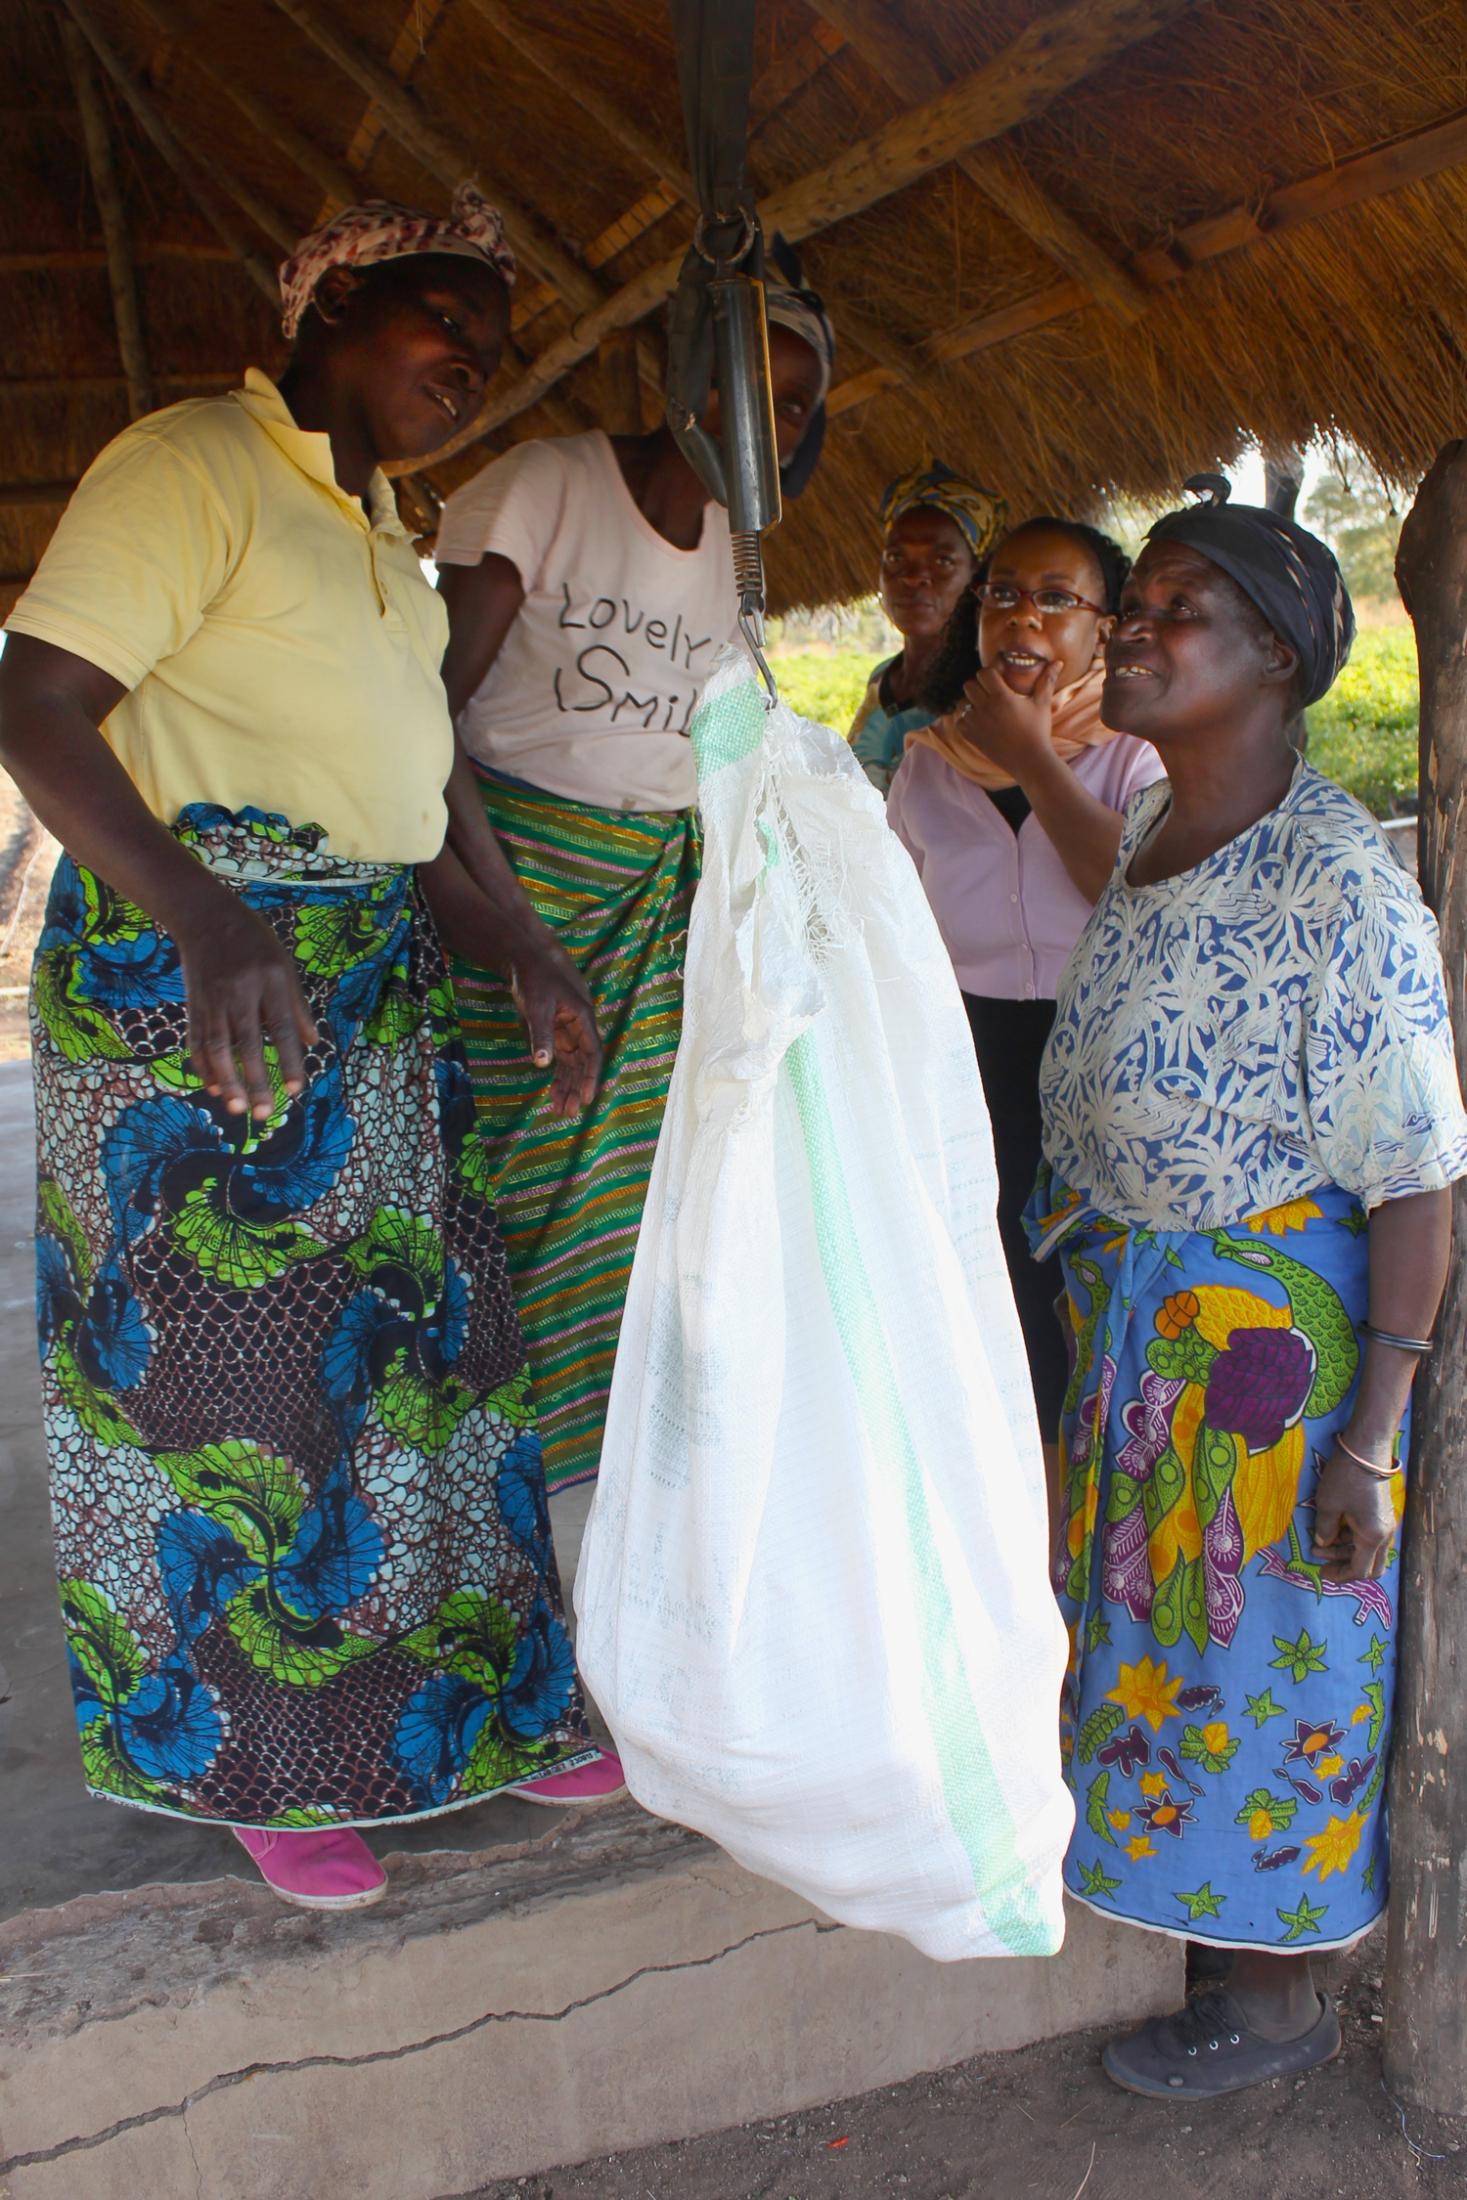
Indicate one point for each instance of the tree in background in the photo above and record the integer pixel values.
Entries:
(1354, 511)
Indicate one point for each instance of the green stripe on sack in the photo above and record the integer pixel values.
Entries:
(975, 1805)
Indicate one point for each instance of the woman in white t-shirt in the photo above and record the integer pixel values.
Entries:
(589, 586)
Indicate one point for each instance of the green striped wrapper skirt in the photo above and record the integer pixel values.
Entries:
(616, 888)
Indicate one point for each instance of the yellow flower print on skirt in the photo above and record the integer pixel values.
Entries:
(1227, 1709)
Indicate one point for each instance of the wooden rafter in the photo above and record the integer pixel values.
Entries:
(23, 495)
(653, 153)
(103, 385)
(788, 75)
(442, 155)
(79, 259)
(121, 275)
(1043, 61)
(996, 169)
(1369, 175)
(334, 177)
(203, 190)
(796, 67)
(416, 31)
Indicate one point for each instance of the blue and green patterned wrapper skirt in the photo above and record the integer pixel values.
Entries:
(1227, 1710)
(299, 1506)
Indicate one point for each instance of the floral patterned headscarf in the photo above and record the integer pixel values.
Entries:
(378, 230)
(934, 487)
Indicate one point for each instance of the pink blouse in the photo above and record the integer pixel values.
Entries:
(1008, 910)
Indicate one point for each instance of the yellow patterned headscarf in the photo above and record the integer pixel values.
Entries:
(934, 487)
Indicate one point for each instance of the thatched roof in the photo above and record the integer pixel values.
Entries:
(1076, 249)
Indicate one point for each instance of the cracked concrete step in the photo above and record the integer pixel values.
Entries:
(616, 1983)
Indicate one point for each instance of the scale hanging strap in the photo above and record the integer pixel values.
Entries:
(717, 311)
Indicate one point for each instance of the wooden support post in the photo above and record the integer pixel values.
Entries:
(121, 276)
(621, 387)
(205, 196)
(443, 156)
(1426, 1963)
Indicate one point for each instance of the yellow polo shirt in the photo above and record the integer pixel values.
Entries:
(280, 647)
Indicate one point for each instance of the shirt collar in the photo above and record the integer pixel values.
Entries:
(311, 453)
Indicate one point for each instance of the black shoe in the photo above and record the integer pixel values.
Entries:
(1207, 2049)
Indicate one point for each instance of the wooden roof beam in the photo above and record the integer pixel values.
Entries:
(27, 495)
(103, 385)
(652, 153)
(81, 259)
(202, 188)
(443, 156)
(1044, 60)
(121, 275)
(1370, 175)
(334, 177)
(996, 169)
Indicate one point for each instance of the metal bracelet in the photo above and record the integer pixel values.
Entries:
(1400, 1344)
(1381, 1474)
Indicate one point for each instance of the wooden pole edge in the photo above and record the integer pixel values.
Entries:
(167, 144)
(102, 168)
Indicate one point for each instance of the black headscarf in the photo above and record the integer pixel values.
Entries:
(791, 304)
(1287, 572)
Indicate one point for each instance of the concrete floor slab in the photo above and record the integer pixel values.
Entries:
(616, 1983)
(538, 1986)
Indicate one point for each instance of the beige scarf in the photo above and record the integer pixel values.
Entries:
(1074, 727)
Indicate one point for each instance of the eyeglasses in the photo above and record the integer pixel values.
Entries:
(1050, 603)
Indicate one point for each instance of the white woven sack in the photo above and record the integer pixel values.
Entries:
(812, 1598)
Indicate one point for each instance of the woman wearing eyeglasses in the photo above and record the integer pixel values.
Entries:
(1010, 804)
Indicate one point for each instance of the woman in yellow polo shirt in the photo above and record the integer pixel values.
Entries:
(301, 1531)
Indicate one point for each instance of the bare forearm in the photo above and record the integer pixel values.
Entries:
(469, 921)
(1410, 1243)
(1085, 831)
(472, 840)
(80, 792)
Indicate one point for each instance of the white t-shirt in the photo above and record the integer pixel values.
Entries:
(594, 686)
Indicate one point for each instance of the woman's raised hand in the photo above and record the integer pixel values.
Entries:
(1012, 730)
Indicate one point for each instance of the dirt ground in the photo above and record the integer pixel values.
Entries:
(1046, 2122)
(27, 859)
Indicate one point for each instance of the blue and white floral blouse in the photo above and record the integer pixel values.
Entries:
(1272, 1020)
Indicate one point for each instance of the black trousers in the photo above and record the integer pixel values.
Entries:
(1009, 1037)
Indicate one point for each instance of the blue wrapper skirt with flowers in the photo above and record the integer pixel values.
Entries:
(299, 1506)
(1227, 1709)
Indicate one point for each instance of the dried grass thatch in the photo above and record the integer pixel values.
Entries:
(1279, 186)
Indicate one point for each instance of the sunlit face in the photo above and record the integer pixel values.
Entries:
(1189, 653)
(1020, 642)
(417, 340)
(926, 564)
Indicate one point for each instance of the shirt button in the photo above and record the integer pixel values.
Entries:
(1013, 897)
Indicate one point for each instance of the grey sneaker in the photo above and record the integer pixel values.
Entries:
(1207, 2049)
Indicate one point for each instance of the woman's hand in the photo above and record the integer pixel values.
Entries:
(241, 987)
(240, 982)
(552, 997)
(560, 1021)
(1012, 730)
(1354, 1521)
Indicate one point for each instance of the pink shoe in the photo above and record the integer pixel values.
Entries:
(330, 1870)
(596, 1782)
